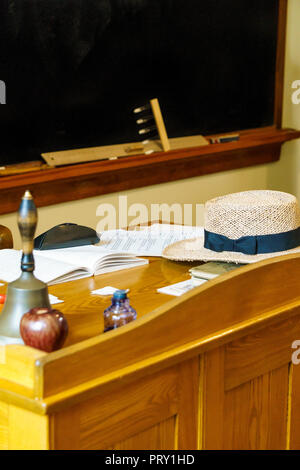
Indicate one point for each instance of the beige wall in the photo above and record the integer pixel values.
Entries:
(283, 175)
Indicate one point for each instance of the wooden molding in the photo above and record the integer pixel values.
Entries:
(69, 183)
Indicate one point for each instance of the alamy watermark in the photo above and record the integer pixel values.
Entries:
(2, 92)
(137, 214)
(296, 94)
(296, 354)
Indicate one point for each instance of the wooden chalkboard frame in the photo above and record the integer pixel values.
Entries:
(69, 183)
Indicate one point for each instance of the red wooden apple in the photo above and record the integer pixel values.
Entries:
(44, 328)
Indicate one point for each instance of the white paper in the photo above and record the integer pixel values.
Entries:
(54, 300)
(107, 290)
(149, 241)
(181, 288)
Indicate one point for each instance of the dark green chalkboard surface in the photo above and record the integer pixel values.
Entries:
(75, 69)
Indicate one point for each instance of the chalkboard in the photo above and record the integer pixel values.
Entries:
(75, 69)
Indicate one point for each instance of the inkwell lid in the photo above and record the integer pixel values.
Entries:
(120, 294)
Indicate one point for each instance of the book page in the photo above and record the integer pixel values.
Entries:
(119, 267)
(90, 257)
(80, 256)
(47, 270)
(149, 241)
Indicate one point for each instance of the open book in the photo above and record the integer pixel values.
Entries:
(67, 264)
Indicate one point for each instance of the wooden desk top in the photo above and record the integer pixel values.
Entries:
(84, 311)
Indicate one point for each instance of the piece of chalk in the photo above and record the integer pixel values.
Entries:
(141, 108)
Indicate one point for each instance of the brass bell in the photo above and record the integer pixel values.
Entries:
(27, 291)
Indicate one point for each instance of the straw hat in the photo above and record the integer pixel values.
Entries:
(244, 227)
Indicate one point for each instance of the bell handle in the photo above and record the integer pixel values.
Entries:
(27, 222)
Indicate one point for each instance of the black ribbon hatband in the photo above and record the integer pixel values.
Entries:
(253, 245)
